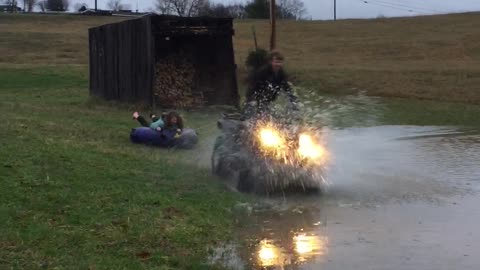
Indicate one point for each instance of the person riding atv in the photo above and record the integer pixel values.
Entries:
(269, 148)
(265, 85)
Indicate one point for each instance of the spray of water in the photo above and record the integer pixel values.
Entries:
(279, 147)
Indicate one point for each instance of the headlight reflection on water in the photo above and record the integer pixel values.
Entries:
(305, 247)
(269, 254)
(308, 246)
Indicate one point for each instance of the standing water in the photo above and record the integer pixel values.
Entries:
(400, 197)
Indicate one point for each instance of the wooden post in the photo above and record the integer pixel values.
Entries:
(273, 19)
(255, 37)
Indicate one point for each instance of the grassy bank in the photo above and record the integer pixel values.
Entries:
(75, 194)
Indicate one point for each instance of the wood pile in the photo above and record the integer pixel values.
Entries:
(174, 82)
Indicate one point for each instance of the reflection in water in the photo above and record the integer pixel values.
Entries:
(379, 176)
(285, 238)
(308, 246)
(303, 247)
(269, 254)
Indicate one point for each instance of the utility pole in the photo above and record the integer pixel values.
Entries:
(254, 32)
(334, 10)
(95, 5)
(14, 6)
(273, 19)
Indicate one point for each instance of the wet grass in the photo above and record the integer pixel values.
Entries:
(429, 113)
(76, 194)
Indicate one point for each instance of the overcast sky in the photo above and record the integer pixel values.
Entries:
(323, 9)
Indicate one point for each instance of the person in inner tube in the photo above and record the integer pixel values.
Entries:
(266, 83)
(173, 125)
(157, 122)
(170, 124)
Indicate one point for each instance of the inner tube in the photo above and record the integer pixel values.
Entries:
(145, 135)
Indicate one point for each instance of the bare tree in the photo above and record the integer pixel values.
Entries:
(66, 4)
(54, 5)
(80, 6)
(220, 10)
(115, 5)
(298, 9)
(12, 3)
(42, 4)
(292, 9)
(30, 4)
(183, 8)
(214, 10)
(164, 7)
(237, 11)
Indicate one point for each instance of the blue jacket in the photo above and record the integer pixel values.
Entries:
(157, 124)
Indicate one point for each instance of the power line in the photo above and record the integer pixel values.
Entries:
(383, 5)
(392, 7)
(406, 6)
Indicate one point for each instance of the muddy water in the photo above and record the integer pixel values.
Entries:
(400, 197)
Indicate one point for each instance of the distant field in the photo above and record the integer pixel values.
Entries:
(435, 57)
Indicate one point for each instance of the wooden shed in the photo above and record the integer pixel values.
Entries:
(164, 60)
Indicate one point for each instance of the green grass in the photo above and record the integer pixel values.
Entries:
(76, 194)
(428, 113)
(43, 78)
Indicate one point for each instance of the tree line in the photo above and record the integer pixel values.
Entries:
(43, 5)
(253, 9)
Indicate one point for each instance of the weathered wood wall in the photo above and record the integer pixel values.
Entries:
(122, 61)
(123, 57)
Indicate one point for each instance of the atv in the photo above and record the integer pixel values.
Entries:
(269, 153)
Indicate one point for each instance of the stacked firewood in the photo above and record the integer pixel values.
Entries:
(174, 82)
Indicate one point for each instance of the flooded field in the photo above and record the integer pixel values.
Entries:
(399, 197)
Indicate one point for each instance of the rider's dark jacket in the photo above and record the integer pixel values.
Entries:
(265, 85)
